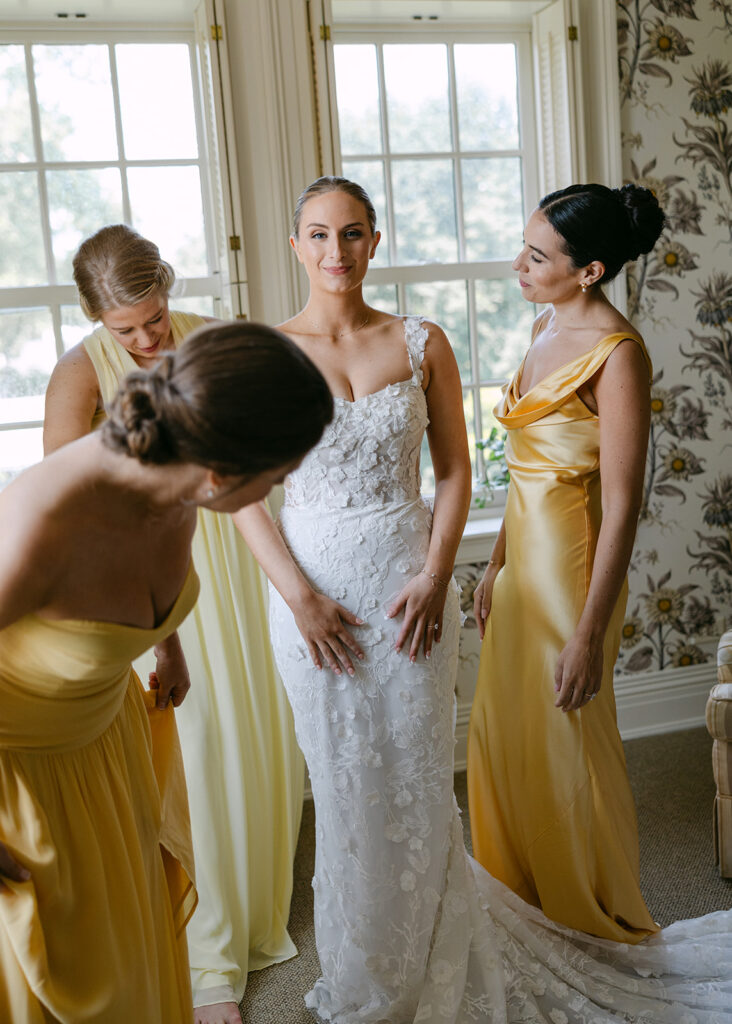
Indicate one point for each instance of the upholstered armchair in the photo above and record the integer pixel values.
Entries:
(719, 723)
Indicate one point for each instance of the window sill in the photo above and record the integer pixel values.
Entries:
(478, 537)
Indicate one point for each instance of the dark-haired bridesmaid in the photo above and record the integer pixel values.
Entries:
(551, 809)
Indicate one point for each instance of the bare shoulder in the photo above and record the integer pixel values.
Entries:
(437, 346)
(625, 371)
(75, 367)
(31, 545)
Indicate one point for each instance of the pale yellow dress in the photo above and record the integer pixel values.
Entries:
(243, 767)
(93, 803)
(551, 811)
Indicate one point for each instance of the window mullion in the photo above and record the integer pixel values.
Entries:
(475, 372)
(40, 173)
(126, 205)
(388, 190)
(458, 171)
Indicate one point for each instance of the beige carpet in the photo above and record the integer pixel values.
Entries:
(672, 781)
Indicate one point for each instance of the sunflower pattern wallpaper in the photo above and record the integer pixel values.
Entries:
(675, 61)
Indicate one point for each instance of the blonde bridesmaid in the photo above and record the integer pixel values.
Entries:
(244, 770)
(551, 810)
(96, 874)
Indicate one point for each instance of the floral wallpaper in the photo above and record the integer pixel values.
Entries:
(675, 59)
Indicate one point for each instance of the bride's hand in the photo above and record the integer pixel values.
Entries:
(322, 623)
(423, 605)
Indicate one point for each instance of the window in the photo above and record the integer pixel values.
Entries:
(95, 131)
(434, 128)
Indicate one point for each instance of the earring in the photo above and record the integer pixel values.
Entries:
(584, 288)
(210, 492)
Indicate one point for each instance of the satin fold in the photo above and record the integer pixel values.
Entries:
(93, 803)
(552, 815)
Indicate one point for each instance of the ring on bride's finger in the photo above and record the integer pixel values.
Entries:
(437, 625)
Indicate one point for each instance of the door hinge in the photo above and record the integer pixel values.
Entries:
(234, 243)
(325, 33)
(217, 33)
(572, 33)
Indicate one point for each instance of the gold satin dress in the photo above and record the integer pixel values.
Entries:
(551, 811)
(93, 804)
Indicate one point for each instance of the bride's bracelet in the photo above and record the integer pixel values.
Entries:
(435, 580)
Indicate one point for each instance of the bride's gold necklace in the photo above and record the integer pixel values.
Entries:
(341, 334)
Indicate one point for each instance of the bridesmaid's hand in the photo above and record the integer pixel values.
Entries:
(10, 868)
(578, 675)
(423, 606)
(170, 677)
(322, 624)
(483, 597)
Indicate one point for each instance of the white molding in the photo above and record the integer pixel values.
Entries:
(648, 704)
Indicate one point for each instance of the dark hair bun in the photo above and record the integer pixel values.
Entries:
(136, 421)
(645, 216)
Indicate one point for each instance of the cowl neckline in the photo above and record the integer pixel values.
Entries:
(515, 410)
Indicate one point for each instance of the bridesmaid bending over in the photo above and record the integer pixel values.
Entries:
(236, 727)
(551, 809)
(96, 880)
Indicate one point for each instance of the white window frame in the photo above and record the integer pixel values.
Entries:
(53, 295)
(401, 275)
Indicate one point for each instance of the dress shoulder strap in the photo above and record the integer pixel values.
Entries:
(110, 360)
(415, 337)
(182, 324)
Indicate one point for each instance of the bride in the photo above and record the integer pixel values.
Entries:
(365, 624)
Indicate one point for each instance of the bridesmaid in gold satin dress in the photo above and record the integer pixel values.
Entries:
(96, 881)
(551, 810)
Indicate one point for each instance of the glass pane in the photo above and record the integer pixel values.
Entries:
(357, 91)
(488, 400)
(22, 259)
(445, 303)
(424, 211)
(27, 356)
(382, 296)
(493, 208)
(74, 90)
(167, 208)
(469, 412)
(369, 174)
(16, 138)
(79, 203)
(200, 305)
(426, 468)
(504, 321)
(417, 97)
(74, 326)
(150, 76)
(487, 95)
(19, 449)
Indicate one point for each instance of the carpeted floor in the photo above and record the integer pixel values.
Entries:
(672, 781)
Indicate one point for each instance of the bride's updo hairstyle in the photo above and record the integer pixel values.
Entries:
(612, 225)
(331, 183)
(117, 267)
(237, 398)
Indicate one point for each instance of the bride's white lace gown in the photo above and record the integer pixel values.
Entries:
(408, 927)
